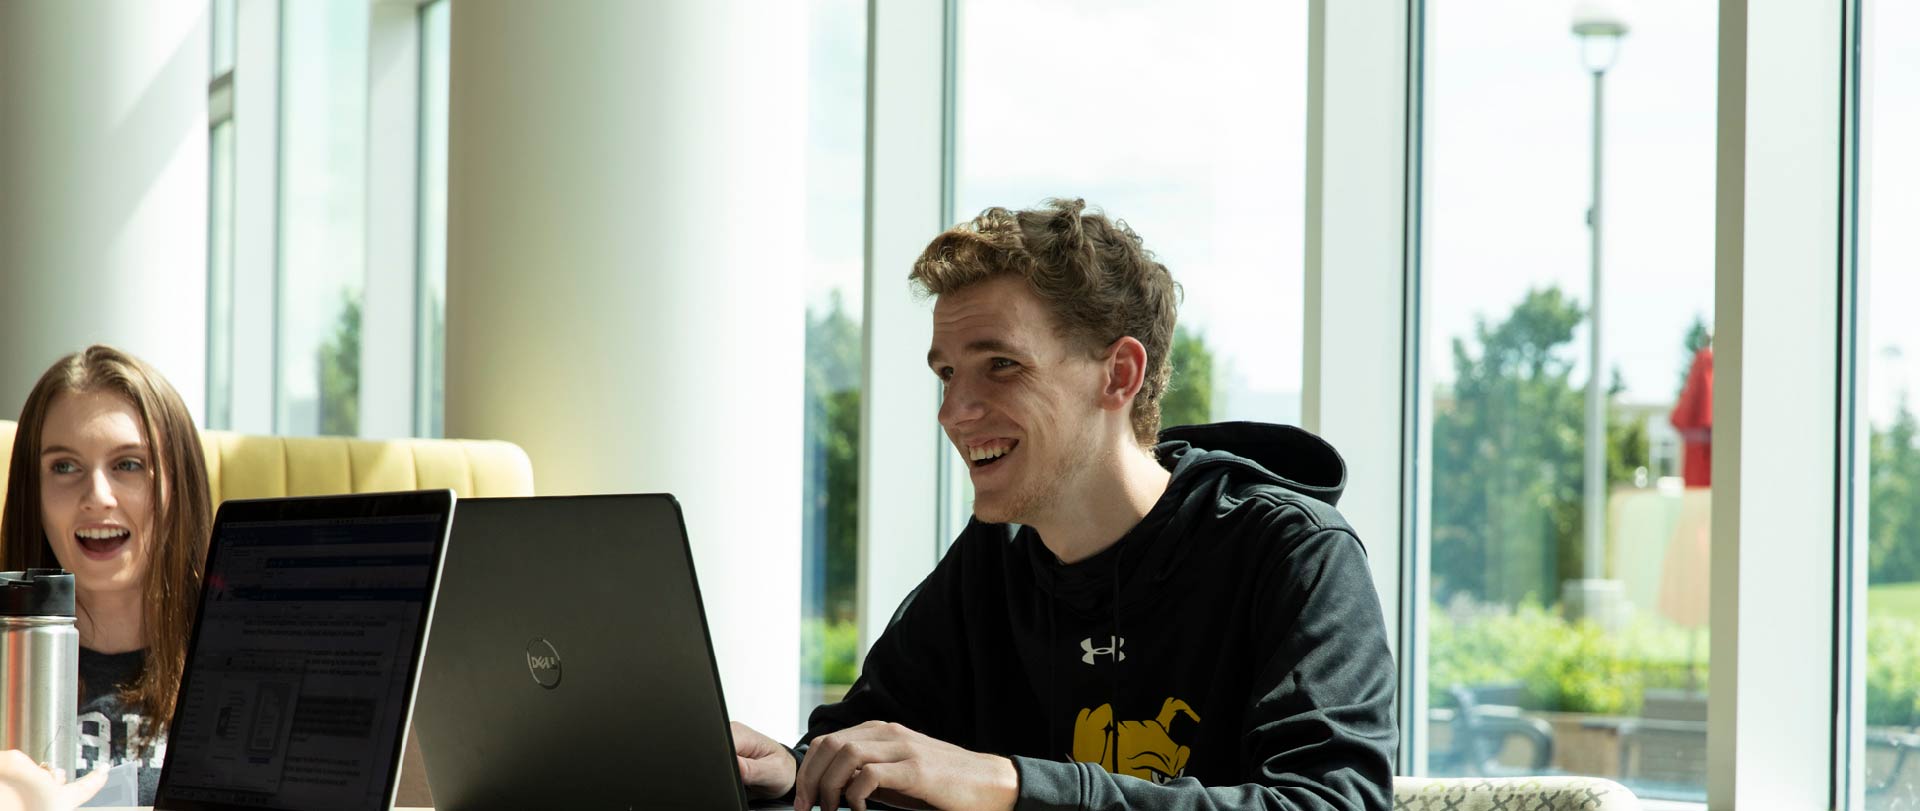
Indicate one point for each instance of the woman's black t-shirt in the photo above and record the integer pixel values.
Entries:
(108, 727)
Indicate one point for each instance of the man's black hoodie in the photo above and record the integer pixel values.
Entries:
(1229, 648)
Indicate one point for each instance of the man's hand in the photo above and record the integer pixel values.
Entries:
(31, 787)
(766, 767)
(901, 767)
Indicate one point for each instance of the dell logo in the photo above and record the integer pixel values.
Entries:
(544, 663)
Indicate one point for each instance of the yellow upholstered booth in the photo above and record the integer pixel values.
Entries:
(250, 466)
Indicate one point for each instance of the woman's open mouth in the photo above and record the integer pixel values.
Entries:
(101, 543)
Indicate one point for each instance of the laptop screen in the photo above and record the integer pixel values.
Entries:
(298, 679)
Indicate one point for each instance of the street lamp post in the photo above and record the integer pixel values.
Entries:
(1600, 27)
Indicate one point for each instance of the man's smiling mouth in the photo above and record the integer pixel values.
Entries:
(987, 453)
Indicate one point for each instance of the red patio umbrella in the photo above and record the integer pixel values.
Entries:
(1693, 418)
(1685, 572)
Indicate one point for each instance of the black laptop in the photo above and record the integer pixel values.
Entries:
(571, 665)
(305, 653)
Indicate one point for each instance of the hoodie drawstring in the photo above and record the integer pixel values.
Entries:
(1113, 677)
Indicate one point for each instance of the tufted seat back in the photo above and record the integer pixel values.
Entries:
(253, 466)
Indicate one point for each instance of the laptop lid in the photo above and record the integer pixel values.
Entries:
(305, 653)
(571, 664)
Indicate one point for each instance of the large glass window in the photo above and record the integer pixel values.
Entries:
(323, 203)
(1568, 630)
(1889, 263)
(1188, 121)
(222, 19)
(220, 277)
(292, 266)
(835, 217)
(219, 409)
(431, 319)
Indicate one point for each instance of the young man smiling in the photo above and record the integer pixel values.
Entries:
(1123, 624)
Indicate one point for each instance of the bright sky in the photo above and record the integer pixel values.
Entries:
(1510, 112)
(1188, 121)
(836, 151)
(1891, 183)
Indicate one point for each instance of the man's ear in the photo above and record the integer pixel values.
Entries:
(1125, 367)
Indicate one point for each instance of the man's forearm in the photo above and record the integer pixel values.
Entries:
(1050, 785)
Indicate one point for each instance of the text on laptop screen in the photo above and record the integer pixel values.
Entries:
(299, 674)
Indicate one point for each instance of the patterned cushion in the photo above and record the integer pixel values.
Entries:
(1511, 794)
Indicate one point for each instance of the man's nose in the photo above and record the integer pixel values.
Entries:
(958, 405)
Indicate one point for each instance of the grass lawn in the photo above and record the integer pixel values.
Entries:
(1895, 600)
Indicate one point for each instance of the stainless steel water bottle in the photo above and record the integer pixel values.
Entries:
(39, 667)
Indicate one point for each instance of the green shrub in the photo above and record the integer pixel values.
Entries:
(1578, 667)
(829, 650)
(1564, 666)
(1893, 672)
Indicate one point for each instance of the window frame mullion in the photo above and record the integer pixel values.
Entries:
(1777, 407)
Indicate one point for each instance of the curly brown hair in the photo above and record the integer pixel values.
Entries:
(1092, 272)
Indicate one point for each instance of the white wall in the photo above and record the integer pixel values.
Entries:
(624, 274)
(103, 188)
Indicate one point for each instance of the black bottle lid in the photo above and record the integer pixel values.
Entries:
(36, 593)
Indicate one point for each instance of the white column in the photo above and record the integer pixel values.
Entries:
(901, 443)
(1356, 280)
(103, 187)
(1771, 714)
(1362, 388)
(624, 292)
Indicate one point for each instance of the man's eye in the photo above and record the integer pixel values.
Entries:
(63, 467)
(1003, 363)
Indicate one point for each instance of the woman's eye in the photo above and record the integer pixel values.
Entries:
(63, 467)
(131, 465)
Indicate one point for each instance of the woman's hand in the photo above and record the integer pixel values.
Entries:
(28, 786)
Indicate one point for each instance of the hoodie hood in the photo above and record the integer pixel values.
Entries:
(1215, 469)
(1290, 457)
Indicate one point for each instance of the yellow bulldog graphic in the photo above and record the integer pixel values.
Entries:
(1139, 748)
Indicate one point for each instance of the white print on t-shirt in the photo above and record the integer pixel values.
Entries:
(98, 739)
(1113, 649)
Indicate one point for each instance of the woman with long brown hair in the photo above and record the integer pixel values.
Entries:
(108, 481)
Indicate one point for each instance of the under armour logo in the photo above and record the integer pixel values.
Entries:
(1113, 649)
